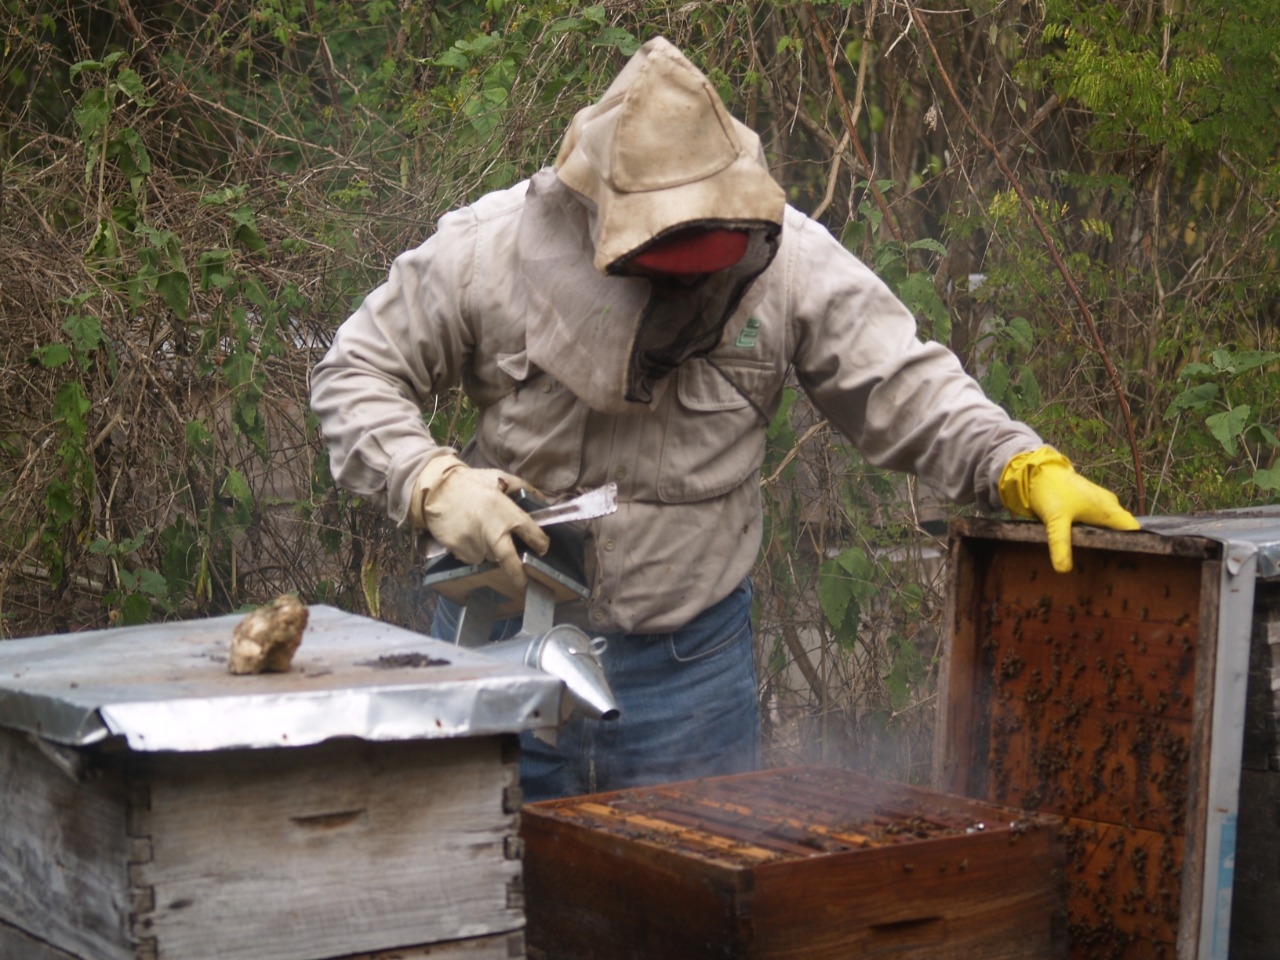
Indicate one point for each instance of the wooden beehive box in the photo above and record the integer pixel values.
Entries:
(363, 805)
(799, 862)
(1112, 696)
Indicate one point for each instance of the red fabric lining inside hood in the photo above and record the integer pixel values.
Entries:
(695, 250)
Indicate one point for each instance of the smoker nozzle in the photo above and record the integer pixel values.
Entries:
(566, 652)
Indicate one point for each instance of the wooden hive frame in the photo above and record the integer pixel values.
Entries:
(1090, 695)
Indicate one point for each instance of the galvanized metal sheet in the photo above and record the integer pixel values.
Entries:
(167, 687)
(1245, 531)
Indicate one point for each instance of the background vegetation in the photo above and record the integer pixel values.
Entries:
(1079, 197)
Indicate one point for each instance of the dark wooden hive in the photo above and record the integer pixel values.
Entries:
(798, 862)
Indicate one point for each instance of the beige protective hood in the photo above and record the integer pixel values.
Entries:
(660, 150)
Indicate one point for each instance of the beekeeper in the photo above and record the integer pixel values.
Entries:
(631, 315)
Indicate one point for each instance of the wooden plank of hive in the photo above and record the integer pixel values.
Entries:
(992, 895)
(500, 946)
(328, 850)
(16, 944)
(64, 872)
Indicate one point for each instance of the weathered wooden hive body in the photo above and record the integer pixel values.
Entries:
(154, 806)
(1115, 697)
(792, 863)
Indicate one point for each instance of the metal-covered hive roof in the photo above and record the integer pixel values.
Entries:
(167, 687)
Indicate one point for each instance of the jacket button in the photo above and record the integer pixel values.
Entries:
(610, 543)
(597, 614)
(546, 386)
(620, 473)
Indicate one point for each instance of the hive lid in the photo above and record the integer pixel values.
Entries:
(1243, 531)
(1229, 552)
(166, 687)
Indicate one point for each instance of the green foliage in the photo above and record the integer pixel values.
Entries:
(1233, 399)
(845, 583)
(892, 261)
(1009, 379)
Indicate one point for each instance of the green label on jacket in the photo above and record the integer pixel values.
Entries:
(747, 338)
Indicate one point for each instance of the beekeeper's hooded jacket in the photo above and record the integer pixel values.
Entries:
(523, 298)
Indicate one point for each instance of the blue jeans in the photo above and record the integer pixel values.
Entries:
(688, 703)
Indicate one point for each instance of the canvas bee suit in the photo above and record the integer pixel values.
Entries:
(630, 314)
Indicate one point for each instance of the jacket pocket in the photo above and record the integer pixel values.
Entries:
(536, 429)
(715, 438)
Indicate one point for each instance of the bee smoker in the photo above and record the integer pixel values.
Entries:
(562, 650)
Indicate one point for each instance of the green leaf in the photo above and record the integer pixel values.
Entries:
(1027, 388)
(133, 87)
(996, 382)
(102, 244)
(255, 292)
(239, 369)
(152, 584)
(858, 565)
(91, 113)
(226, 195)
(928, 243)
(835, 593)
(1225, 427)
(199, 438)
(1268, 435)
(135, 609)
(451, 59)
(1197, 370)
(1247, 360)
(1268, 479)
(130, 153)
(246, 232)
(1020, 333)
(237, 488)
(59, 501)
(52, 355)
(851, 237)
(1196, 399)
(213, 267)
(905, 671)
(84, 66)
(920, 295)
(71, 404)
(622, 40)
(175, 288)
(85, 332)
(564, 25)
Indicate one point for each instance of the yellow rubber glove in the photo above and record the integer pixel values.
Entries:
(1044, 484)
(469, 512)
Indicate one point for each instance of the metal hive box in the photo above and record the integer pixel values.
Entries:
(157, 807)
(1114, 697)
(798, 862)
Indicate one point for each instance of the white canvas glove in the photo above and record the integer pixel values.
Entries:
(469, 512)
